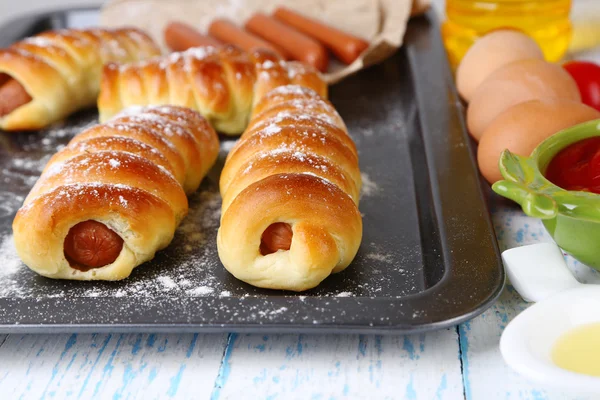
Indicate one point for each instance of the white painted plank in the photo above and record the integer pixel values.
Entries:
(325, 367)
(117, 366)
(486, 376)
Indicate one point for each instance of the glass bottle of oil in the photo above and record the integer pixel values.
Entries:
(546, 21)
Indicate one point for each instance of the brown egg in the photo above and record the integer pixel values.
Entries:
(524, 126)
(513, 84)
(491, 52)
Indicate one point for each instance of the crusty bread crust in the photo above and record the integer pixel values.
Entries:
(61, 70)
(223, 84)
(296, 165)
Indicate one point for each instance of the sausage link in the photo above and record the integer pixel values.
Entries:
(298, 45)
(345, 46)
(277, 236)
(180, 37)
(228, 32)
(12, 96)
(91, 244)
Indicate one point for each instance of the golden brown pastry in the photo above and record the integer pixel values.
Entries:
(46, 77)
(290, 192)
(114, 196)
(223, 84)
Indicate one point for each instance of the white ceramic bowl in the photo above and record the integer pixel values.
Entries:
(527, 342)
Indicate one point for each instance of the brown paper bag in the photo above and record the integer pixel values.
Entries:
(381, 22)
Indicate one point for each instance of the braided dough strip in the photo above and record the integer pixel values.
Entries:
(290, 192)
(223, 84)
(46, 77)
(114, 196)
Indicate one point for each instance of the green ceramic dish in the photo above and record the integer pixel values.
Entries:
(572, 218)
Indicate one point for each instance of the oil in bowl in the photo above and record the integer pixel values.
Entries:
(578, 350)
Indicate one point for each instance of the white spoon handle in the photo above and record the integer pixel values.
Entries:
(538, 271)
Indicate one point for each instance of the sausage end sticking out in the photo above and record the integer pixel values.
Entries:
(277, 236)
(91, 244)
(12, 95)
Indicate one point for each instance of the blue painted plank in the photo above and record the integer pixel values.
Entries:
(425, 366)
(117, 366)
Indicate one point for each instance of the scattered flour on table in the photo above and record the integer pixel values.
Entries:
(9, 259)
(344, 294)
(68, 128)
(30, 165)
(167, 282)
(10, 265)
(263, 313)
(9, 203)
(380, 257)
(369, 188)
(368, 131)
(201, 290)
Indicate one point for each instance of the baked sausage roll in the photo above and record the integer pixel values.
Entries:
(290, 190)
(223, 84)
(46, 77)
(114, 196)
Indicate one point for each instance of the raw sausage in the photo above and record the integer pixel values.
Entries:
(91, 244)
(12, 96)
(345, 46)
(297, 44)
(228, 32)
(180, 37)
(277, 236)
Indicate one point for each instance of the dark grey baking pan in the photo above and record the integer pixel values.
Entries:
(428, 259)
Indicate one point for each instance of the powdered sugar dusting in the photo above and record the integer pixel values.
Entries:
(271, 130)
(163, 62)
(292, 89)
(40, 41)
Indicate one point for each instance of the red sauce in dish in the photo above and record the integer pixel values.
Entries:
(577, 167)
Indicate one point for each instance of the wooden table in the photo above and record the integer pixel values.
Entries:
(461, 362)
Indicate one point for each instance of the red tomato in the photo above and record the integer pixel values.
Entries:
(587, 77)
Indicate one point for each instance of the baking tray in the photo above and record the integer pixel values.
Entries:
(428, 258)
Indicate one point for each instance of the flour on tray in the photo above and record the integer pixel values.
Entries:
(369, 188)
(380, 257)
(10, 266)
